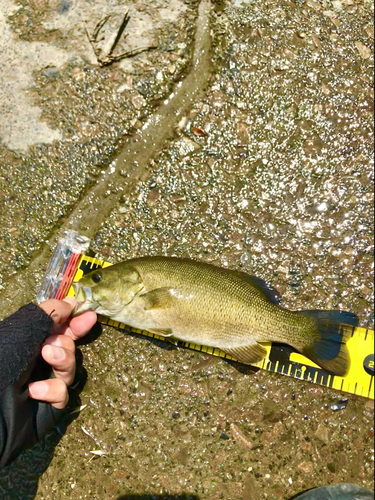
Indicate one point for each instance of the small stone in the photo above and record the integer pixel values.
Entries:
(243, 133)
(337, 5)
(178, 199)
(306, 467)
(322, 433)
(331, 467)
(199, 132)
(137, 101)
(317, 42)
(152, 197)
(186, 146)
(78, 74)
(64, 7)
(314, 5)
(183, 124)
(325, 89)
(115, 76)
(364, 52)
(239, 437)
(135, 123)
(218, 99)
(52, 73)
(330, 13)
(339, 405)
(129, 81)
(175, 414)
(224, 436)
(306, 446)
(370, 404)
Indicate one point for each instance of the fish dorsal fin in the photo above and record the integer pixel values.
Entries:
(270, 293)
(248, 354)
(160, 298)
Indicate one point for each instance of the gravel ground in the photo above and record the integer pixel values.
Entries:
(269, 172)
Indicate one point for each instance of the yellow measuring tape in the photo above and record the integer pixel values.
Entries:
(280, 358)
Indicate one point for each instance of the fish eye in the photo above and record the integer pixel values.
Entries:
(96, 278)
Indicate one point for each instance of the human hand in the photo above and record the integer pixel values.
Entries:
(59, 350)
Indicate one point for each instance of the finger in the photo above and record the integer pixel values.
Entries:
(62, 360)
(58, 310)
(81, 325)
(52, 391)
(63, 341)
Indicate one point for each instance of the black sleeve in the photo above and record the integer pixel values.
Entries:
(23, 421)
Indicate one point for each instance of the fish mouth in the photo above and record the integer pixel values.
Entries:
(85, 302)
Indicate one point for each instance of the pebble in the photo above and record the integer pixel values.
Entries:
(64, 7)
(224, 436)
(186, 146)
(183, 124)
(325, 89)
(364, 51)
(322, 433)
(306, 446)
(237, 435)
(337, 5)
(199, 132)
(314, 5)
(137, 101)
(339, 405)
(153, 197)
(51, 73)
(78, 74)
(218, 99)
(306, 467)
(370, 31)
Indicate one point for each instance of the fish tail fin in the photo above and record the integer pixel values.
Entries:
(330, 350)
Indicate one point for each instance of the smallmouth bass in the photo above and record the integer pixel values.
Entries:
(208, 305)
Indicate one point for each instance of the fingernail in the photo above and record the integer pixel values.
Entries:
(70, 300)
(38, 389)
(57, 353)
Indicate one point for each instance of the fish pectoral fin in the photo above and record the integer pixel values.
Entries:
(166, 332)
(248, 354)
(160, 297)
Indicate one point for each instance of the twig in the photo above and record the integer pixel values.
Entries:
(109, 58)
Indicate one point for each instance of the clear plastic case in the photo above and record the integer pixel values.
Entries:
(62, 266)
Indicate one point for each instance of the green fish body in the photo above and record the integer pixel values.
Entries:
(208, 305)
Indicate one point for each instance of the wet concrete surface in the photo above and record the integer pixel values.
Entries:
(269, 171)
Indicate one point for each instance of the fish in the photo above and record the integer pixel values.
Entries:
(212, 306)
